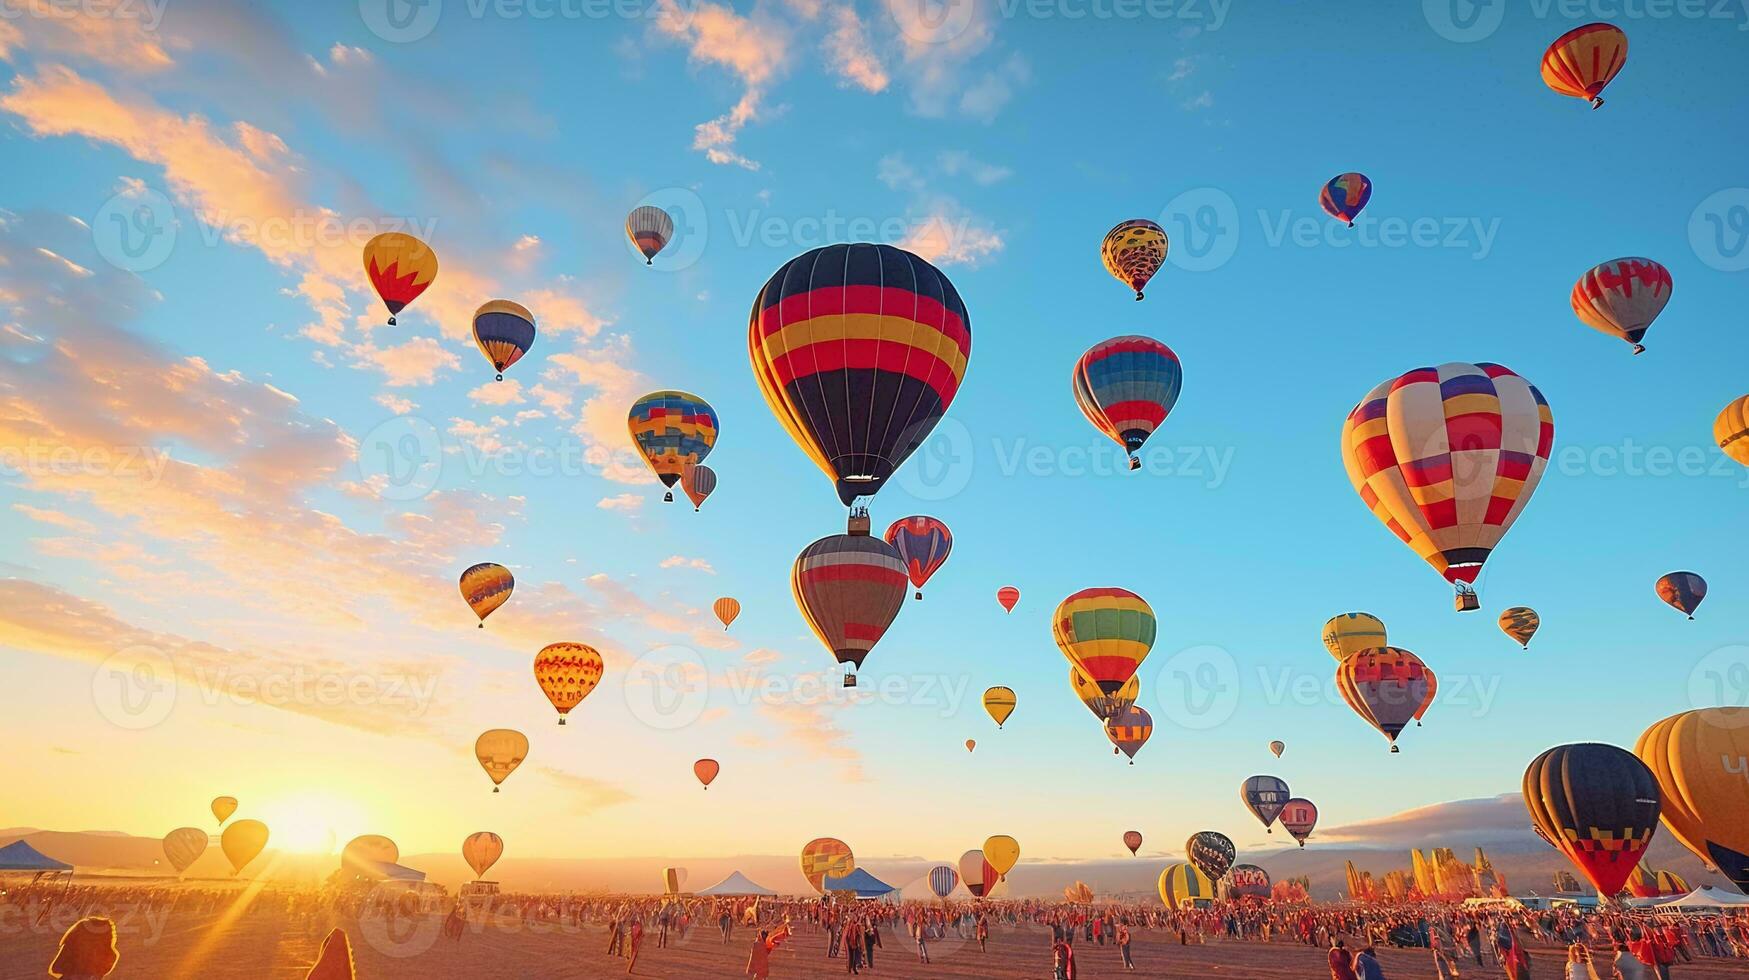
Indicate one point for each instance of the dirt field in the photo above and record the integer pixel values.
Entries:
(270, 947)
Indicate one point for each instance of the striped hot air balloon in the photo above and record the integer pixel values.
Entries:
(1126, 386)
(726, 609)
(943, 880)
(923, 543)
(1349, 633)
(1447, 458)
(1104, 705)
(1129, 730)
(698, 480)
(859, 351)
(1731, 429)
(1182, 887)
(1584, 60)
(978, 874)
(1622, 297)
(649, 228)
(1133, 251)
(1697, 757)
(486, 586)
(1106, 633)
(399, 267)
(1520, 623)
(671, 430)
(1599, 805)
(1344, 195)
(504, 331)
(849, 588)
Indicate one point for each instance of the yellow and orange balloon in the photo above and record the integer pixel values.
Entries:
(567, 673)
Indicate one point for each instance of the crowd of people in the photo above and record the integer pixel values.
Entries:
(1600, 944)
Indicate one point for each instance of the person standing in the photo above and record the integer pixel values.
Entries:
(1062, 960)
(759, 958)
(1341, 962)
(1366, 965)
(1123, 946)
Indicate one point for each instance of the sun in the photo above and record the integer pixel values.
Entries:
(310, 823)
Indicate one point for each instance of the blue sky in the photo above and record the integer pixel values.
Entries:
(1003, 148)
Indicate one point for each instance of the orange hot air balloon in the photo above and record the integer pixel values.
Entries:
(1132, 839)
(1386, 687)
(399, 267)
(499, 751)
(1133, 251)
(482, 850)
(183, 845)
(826, 856)
(223, 807)
(698, 480)
(1697, 757)
(971, 744)
(242, 842)
(726, 609)
(706, 770)
(566, 673)
(1622, 297)
(486, 586)
(1008, 595)
(1584, 60)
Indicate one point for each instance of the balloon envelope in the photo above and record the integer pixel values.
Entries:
(942, 880)
(223, 807)
(999, 704)
(1600, 806)
(1104, 706)
(485, 587)
(1682, 591)
(1133, 251)
(1298, 818)
(671, 430)
(923, 544)
(1264, 796)
(1106, 633)
(849, 588)
(977, 873)
(362, 851)
(1581, 62)
(726, 609)
(1130, 729)
(1278, 747)
(482, 850)
(1132, 839)
(1349, 633)
(183, 845)
(1211, 852)
(1520, 623)
(1622, 297)
(698, 480)
(500, 751)
(399, 268)
(1731, 430)
(242, 842)
(1003, 853)
(706, 770)
(825, 856)
(649, 228)
(1008, 595)
(1697, 758)
(567, 673)
(1182, 886)
(1344, 195)
(504, 331)
(1386, 687)
(1126, 386)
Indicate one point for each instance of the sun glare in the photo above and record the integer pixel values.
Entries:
(310, 823)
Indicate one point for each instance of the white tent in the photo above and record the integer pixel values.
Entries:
(1706, 897)
(734, 885)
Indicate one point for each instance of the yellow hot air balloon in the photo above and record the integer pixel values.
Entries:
(486, 586)
(1182, 886)
(1133, 251)
(1003, 853)
(1106, 632)
(1349, 633)
(826, 856)
(482, 850)
(1731, 430)
(362, 852)
(223, 807)
(242, 842)
(1103, 706)
(399, 267)
(1520, 623)
(1701, 760)
(183, 845)
(500, 751)
(999, 703)
(566, 673)
(726, 609)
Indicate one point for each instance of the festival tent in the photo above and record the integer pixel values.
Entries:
(735, 884)
(19, 856)
(1706, 897)
(859, 883)
(387, 871)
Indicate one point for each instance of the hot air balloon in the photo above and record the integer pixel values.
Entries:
(849, 588)
(942, 880)
(482, 850)
(1248, 881)
(726, 609)
(1520, 623)
(1682, 591)
(242, 842)
(504, 332)
(1344, 195)
(673, 880)
(1132, 839)
(1584, 60)
(1211, 852)
(1447, 458)
(500, 751)
(672, 429)
(1350, 633)
(370, 847)
(223, 807)
(1079, 893)
(923, 543)
(1731, 430)
(399, 267)
(859, 350)
(826, 856)
(698, 480)
(649, 228)
(1003, 853)
(977, 873)
(706, 770)
(971, 744)
(1278, 747)
(1126, 386)
(1133, 252)
(1698, 759)
(183, 845)
(1182, 886)
(1385, 687)
(1622, 297)
(1129, 730)
(1103, 705)
(1008, 595)
(1298, 818)
(999, 704)
(1106, 632)
(566, 673)
(1264, 796)
(1598, 804)
(486, 586)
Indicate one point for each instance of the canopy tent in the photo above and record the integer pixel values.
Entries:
(1706, 897)
(735, 884)
(19, 856)
(859, 883)
(385, 871)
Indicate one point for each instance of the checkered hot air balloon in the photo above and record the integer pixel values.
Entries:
(1386, 687)
(672, 430)
(1447, 458)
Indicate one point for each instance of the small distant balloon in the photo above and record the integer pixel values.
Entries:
(1622, 297)
(223, 807)
(1581, 62)
(698, 480)
(1133, 251)
(486, 586)
(500, 751)
(706, 770)
(726, 609)
(183, 845)
(242, 842)
(1344, 195)
(1008, 595)
(1132, 839)
(1682, 591)
(1278, 747)
(567, 673)
(1520, 623)
(504, 331)
(971, 744)
(1003, 853)
(999, 704)
(1731, 430)
(649, 228)
(923, 543)
(482, 850)
(671, 430)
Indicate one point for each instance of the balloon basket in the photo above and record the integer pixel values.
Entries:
(391, 321)
(482, 624)
(1639, 349)
(561, 719)
(500, 377)
(668, 497)
(1135, 464)
(849, 680)
(494, 789)
(1395, 749)
(919, 595)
